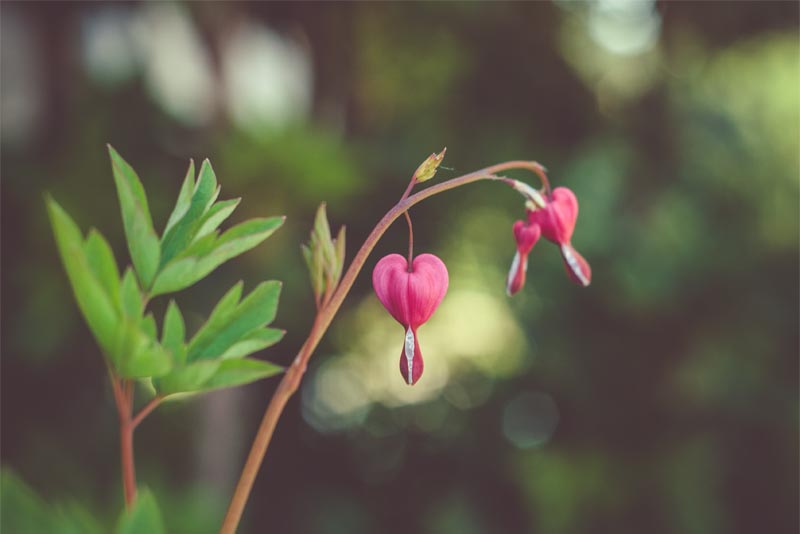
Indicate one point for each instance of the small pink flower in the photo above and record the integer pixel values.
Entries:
(557, 221)
(526, 236)
(411, 296)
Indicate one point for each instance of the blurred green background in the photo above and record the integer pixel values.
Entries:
(664, 398)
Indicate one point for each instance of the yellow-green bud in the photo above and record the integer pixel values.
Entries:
(428, 169)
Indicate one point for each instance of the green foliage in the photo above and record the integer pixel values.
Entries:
(191, 248)
(204, 255)
(324, 256)
(24, 511)
(142, 238)
(143, 518)
(233, 331)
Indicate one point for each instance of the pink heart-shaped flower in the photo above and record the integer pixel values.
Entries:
(557, 219)
(411, 296)
(526, 235)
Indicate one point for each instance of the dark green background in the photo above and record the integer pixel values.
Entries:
(674, 376)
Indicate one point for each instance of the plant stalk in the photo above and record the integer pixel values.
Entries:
(294, 374)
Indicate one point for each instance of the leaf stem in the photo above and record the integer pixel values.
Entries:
(123, 398)
(144, 412)
(294, 374)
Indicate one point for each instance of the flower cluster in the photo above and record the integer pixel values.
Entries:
(412, 289)
(552, 216)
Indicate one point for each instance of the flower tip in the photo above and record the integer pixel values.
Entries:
(577, 267)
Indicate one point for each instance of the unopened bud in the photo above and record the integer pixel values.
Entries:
(428, 169)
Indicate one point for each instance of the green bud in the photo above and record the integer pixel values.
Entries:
(428, 169)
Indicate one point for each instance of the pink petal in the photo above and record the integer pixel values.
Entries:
(557, 220)
(427, 287)
(411, 297)
(390, 281)
(526, 235)
(578, 269)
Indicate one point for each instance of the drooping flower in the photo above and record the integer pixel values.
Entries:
(557, 222)
(411, 296)
(526, 235)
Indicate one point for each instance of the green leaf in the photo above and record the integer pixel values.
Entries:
(227, 304)
(174, 333)
(185, 270)
(143, 242)
(103, 265)
(239, 372)
(256, 340)
(130, 296)
(188, 378)
(25, 512)
(215, 216)
(143, 518)
(184, 198)
(222, 331)
(148, 326)
(183, 232)
(95, 305)
(340, 251)
(137, 355)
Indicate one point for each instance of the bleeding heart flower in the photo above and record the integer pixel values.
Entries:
(526, 236)
(411, 296)
(557, 221)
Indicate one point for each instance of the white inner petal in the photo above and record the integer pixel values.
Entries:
(572, 261)
(512, 272)
(409, 351)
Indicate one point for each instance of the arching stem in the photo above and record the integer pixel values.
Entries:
(410, 241)
(294, 374)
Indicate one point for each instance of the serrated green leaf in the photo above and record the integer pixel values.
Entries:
(239, 372)
(149, 327)
(103, 265)
(174, 333)
(179, 274)
(130, 296)
(219, 334)
(143, 242)
(184, 198)
(227, 304)
(143, 518)
(215, 216)
(188, 378)
(182, 233)
(97, 308)
(184, 271)
(254, 341)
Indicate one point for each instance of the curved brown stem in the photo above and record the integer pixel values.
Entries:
(410, 240)
(294, 374)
